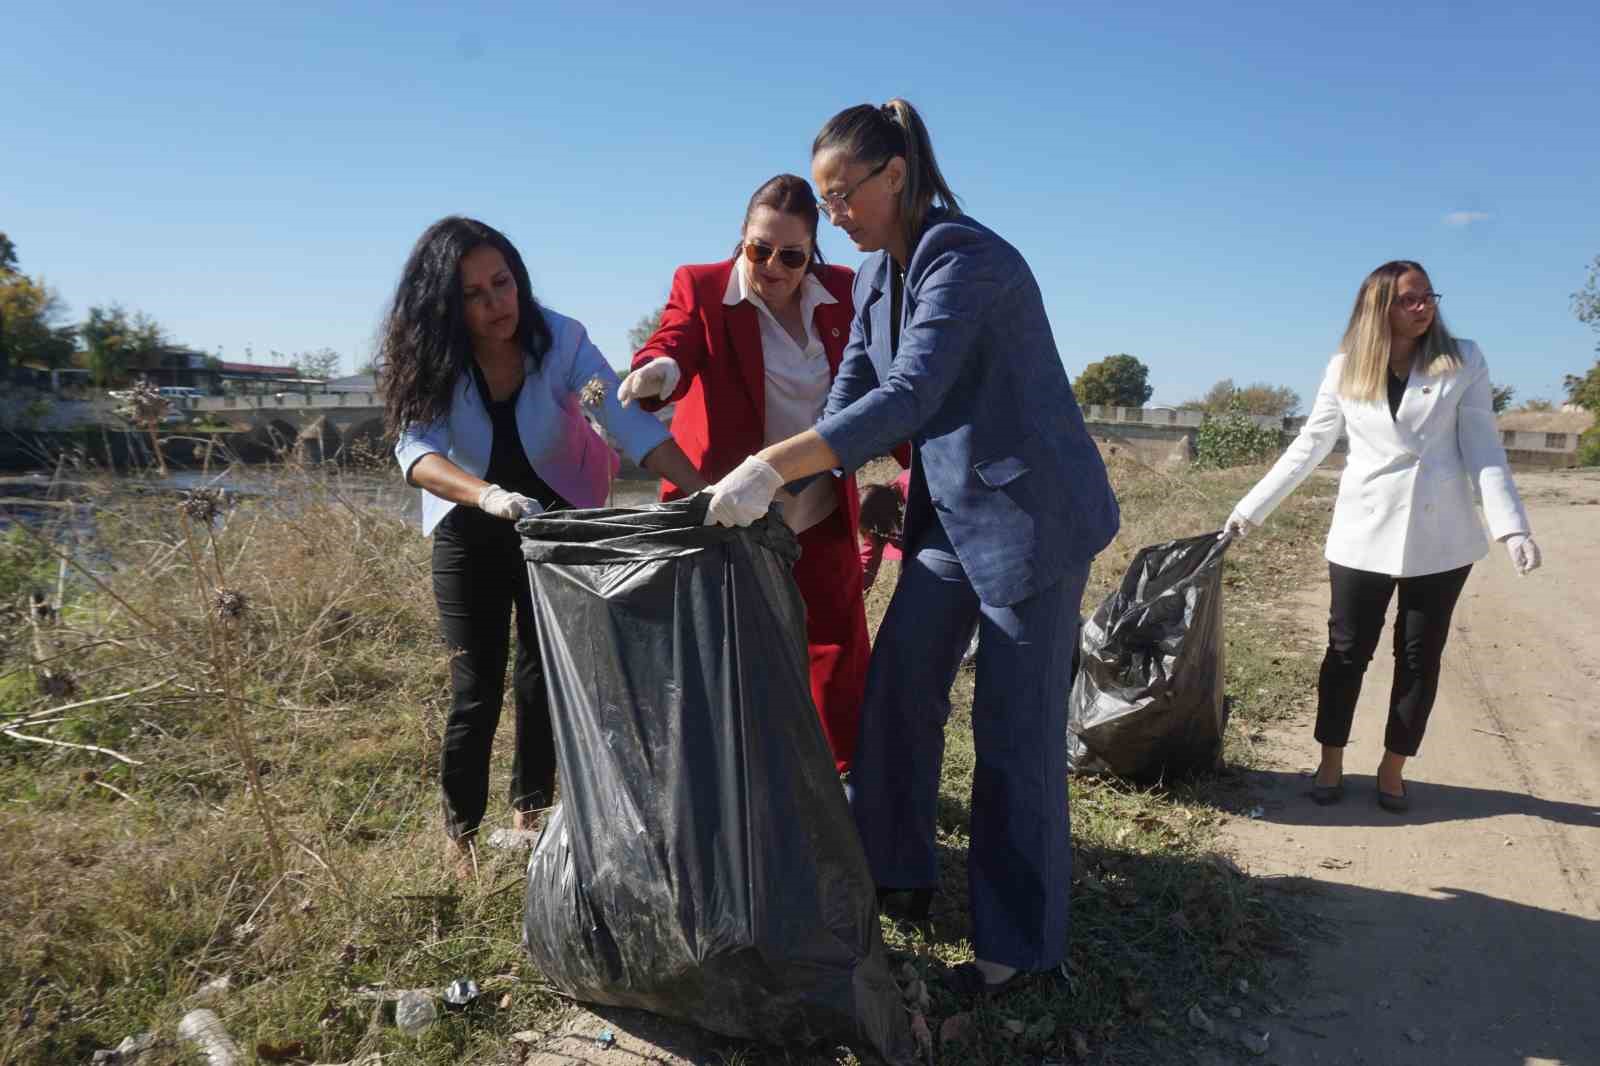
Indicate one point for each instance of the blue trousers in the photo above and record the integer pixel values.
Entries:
(1019, 863)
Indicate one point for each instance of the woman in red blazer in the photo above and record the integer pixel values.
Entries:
(747, 349)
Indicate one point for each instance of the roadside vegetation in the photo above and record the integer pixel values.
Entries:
(219, 768)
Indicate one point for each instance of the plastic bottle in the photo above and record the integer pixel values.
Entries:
(414, 1012)
(204, 1030)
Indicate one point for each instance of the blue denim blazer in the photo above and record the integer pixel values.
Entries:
(561, 445)
(978, 387)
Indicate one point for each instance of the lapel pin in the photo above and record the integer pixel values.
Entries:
(835, 331)
(1427, 388)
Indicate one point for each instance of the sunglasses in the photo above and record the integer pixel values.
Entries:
(759, 252)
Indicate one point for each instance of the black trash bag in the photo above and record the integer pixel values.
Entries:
(1147, 702)
(703, 863)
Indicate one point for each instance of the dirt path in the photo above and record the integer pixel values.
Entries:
(1468, 931)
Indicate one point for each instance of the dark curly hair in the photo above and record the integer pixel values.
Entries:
(424, 345)
(882, 512)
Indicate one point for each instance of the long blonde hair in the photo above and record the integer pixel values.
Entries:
(1367, 339)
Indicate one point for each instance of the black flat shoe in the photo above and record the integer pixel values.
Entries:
(911, 904)
(1395, 804)
(967, 982)
(1327, 795)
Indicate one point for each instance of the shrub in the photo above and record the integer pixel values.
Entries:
(1589, 446)
(1234, 440)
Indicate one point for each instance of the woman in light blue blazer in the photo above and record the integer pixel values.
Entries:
(485, 392)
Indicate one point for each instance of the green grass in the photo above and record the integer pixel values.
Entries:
(115, 909)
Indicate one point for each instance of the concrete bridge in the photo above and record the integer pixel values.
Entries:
(326, 424)
(329, 425)
(318, 425)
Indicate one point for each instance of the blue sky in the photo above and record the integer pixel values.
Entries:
(1204, 189)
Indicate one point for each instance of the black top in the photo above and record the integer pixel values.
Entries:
(509, 468)
(917, 492)
(897, 300)
(1397, 389)
(508, 463)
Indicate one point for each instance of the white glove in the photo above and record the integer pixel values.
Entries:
(1524, 553)
(656, 380)
(510, 505)
(744, 495)
(1238, 525)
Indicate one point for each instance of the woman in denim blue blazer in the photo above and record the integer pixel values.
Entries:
(485, 391)
(1009, 501)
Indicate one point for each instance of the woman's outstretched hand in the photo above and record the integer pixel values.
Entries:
(656, 380)
(1524, 553)
(744, 495)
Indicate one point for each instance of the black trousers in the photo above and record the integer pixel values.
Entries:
(1355, 621)
(478, 575)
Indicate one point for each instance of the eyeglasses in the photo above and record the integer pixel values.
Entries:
(759, 252)
(1419, 301)
(834, 202)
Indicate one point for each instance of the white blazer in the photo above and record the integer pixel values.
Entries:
(1405, 503)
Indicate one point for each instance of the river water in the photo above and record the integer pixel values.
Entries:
(28, 497)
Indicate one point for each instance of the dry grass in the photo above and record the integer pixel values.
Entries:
(1160, 920)
(128, 887)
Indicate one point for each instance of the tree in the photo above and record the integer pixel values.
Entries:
(322, 363)
(1116, 381)
(1535, 406)
(1217, 399)
(8, 267)
(115, 339)
(1586, 301)
(29, 313)
(1502, 396)
(1259, 398)
(1585, 391)
(644, 328)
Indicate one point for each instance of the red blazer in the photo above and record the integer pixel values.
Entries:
(722, 394)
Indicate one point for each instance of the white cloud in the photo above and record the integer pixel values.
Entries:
(1466, 218)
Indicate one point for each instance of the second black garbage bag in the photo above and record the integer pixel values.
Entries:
(703, 863)
(1147, 702)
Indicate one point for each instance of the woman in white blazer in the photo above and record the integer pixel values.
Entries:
(1416, 405)
(484, 392)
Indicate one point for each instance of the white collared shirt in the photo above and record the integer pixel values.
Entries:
(797, 381)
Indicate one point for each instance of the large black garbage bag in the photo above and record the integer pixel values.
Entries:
(1148, 698)
(703, 863)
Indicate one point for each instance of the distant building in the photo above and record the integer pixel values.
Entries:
(353, 383)
(1570, 419)
(262, 377)
(255, 372)
(176, 366)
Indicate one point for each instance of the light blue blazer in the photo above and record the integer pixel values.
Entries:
(560, 444)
